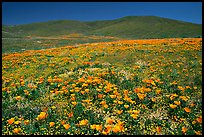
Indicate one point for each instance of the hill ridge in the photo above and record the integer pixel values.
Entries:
(132, 27)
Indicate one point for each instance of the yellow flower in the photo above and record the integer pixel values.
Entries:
(10, 121)
(126, 106)
(158, 91)
(18, 97)
(17, 122)
(42, 115)
(120, 102)
(53, 107)
(86, 90)
(103, 102)
(119, 111)
(153, 99)
(52, 124)
(134, 116)
(177, 102)
(66, 126)
(74, 103)
(141, 96)
(105, 106)
(183, 98)
(173, 106)
(136, 111)
(197, 132)
(83, 122)
(93, 126)
(193, 122)
(112, 96)
(16, 130)
(187, 109)
(181, 88)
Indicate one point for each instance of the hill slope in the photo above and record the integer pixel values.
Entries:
(132, 27)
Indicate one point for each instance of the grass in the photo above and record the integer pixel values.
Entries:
(131, 27)
(132, 87)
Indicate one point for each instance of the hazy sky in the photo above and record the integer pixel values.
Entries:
(14, 13)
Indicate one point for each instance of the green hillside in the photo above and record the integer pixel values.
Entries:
(131, 27)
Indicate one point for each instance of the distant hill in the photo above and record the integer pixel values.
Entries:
(130, 27)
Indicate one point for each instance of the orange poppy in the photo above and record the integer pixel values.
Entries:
(158, 129)
(83, 122)
(66, 126)
(110, 121)
(199, 119)
(173, 106)
(187, 109)
(17, 130)
(184, 129)
(10, 121)
(52, 124)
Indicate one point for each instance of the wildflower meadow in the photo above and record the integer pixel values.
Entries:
(125, 87)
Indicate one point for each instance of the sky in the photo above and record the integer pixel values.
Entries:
(16, 13)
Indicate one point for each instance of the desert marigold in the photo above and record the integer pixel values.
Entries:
(187, 109)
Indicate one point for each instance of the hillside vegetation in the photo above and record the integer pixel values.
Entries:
(131, 27)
